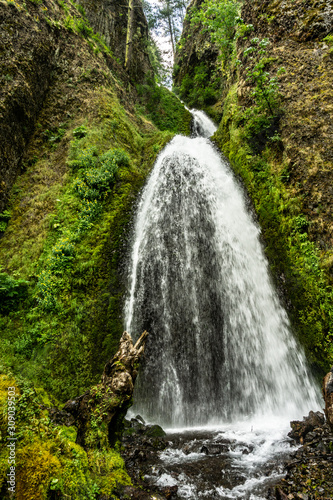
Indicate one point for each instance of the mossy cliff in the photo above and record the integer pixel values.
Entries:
(110, 19)
(77, 143)
(274, 108)
(198, 77)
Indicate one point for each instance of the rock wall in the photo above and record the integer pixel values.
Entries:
(285, 160)
(40, 44)
(28, 56)
(195, 47)
(110, 18)
(296, 31)
(195, 50)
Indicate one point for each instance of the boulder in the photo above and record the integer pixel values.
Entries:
(300, 428)
(328, 397)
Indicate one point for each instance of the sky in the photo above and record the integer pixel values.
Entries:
(163, 43)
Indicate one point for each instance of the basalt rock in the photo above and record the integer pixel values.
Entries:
(140, 446)
(309, 473)
(110, 18)
(328, 397)
(300, 429)
(104, 406)
(194, 51)
(40, 46)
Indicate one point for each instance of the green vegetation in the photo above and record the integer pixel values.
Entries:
(12, 292)
(4, 219)
(201, 89)
(75, 295)
(62, 293)
(92, 184)
(260, 120)
(48, 459)
(249, 136)
(164, 109)
(292, 256)
(64, 238)
(217, 25)
(219, 19)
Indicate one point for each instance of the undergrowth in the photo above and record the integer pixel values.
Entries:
(164, 108)
(49, 464)
(294, 259)
(69, 321)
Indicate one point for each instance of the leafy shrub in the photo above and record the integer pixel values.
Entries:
(95, 176)
(86, 158)
(80, 132)
(300, 224)
(219, 19)
(47, 290)
(12, 292)
(83, 27)
(61, 255)
(260, 121)
(4, 218)
(54, 135)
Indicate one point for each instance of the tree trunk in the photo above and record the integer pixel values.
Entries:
(129, 35)
(171, 30)
(98, 414)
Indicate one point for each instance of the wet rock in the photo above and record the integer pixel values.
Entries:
(301, 428)
(311, 464)
(140, 419)
(214, 449)
(170, 492)
(280, 495)
(328, 397)
(155, 431)
(59, 417)
(130, 492)
(140, 446)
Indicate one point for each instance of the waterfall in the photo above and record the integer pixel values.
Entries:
(220, 345)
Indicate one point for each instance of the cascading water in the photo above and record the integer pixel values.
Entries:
(220, 351)
(220, 346)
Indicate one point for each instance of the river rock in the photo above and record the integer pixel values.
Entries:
(301, 428)
(214, 449)
(328, 397)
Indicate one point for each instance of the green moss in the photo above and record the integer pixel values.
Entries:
(35, 466)
(47, 457)
(201, 89)
(61, 347)
(164, 109)
(108, 471)
(290, 252)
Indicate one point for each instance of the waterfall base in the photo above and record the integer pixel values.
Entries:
(235, 461)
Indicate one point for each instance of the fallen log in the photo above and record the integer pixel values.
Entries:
(98, 413)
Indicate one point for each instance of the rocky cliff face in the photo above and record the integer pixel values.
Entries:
(42, 55)
(296, 31)
(284, 155)
(196, 55)
(110, 19)
(68, 121)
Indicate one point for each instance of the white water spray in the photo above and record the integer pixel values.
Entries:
(220, 345)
